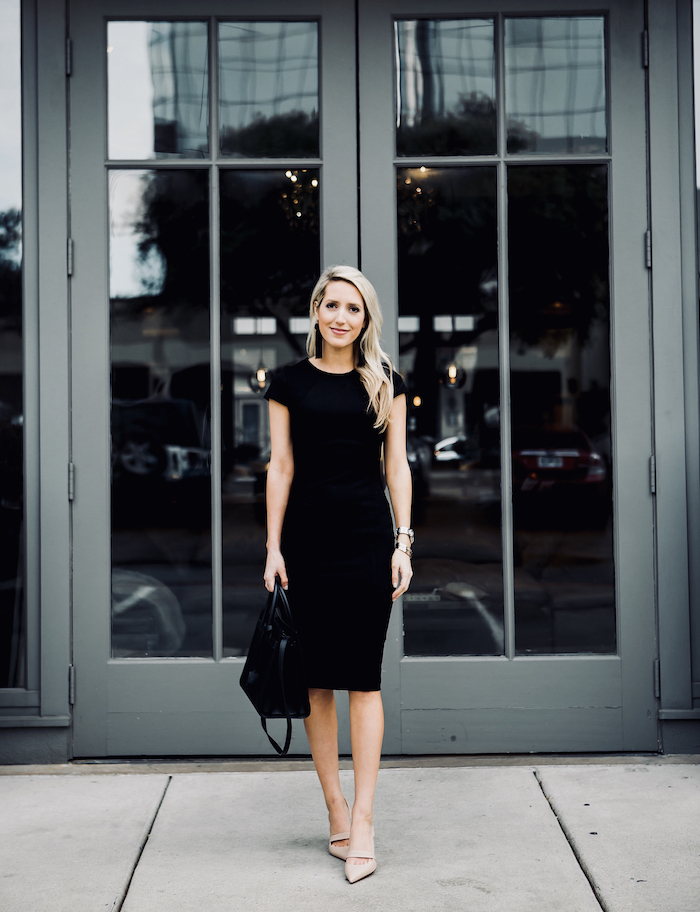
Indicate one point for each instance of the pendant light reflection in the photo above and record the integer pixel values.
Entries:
(258, 379)
(455, 377)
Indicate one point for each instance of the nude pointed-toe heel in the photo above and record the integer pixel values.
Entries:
(355, 872)
(339, 851)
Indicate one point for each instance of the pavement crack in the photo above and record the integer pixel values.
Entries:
(572, 845)
(121, 899)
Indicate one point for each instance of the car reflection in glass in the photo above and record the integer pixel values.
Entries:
(559, 469)
(455, 449)
(160, 456)
(158, 438)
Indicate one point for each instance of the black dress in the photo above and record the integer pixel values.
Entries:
(337, 536)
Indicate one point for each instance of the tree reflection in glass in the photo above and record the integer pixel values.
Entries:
(448, 344)
(161, 493)
(270, 260)
(268, 89)
(12, 607)
(560, 401)
(445, 87)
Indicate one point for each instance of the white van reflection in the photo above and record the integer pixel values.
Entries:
(146, 616)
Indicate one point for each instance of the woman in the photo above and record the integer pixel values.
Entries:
(330, 535)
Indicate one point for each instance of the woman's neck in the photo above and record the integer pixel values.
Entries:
(336, 362)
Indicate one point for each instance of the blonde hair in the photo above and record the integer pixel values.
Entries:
(376, 371)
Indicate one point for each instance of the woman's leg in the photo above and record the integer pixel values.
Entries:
(322, 731)
(366, 733)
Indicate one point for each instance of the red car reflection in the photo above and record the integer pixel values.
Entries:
(543, 459)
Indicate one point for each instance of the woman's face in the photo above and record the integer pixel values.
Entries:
(341, 314)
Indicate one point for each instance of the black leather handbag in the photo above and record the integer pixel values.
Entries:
(273, 675)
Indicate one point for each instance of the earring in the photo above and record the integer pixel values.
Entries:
(318, 347)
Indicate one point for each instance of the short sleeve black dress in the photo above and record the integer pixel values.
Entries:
(337, 536)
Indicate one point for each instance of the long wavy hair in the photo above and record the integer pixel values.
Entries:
(372, 363)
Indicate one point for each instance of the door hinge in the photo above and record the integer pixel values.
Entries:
(645, 49)
(652, 474)
(69, 57)
(647, 249)
(657, 679)
(71, 685)
(71, 480)
(69, 257)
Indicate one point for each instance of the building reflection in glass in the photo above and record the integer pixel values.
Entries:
(448, 343)
(555, 84)
(445, 87)
(158, 90)
(160, 337)
(560, 403)
(12, 604)
(270, 260)
(268, 89)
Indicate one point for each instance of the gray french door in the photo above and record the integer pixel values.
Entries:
(514, 171)
(215, 182)
(499, 166)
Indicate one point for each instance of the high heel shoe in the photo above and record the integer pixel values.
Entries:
(340, 852)
(355, 872)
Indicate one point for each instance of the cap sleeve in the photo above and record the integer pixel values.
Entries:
(399, 385)
(279, 388)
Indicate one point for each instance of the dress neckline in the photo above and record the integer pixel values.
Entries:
(330, 373)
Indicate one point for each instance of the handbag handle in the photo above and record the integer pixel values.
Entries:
(279, 597)
(287, 741)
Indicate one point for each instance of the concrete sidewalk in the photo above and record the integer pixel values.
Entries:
(507, 836)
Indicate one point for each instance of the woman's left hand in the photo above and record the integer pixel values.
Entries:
(401, 572)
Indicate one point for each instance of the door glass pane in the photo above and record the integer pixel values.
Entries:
(161, 536)
(12, 608)
(158, 75)
(555, 84)
(448, 344)
(270, 260)
(268, 89)
(560, 395)
(446, 87)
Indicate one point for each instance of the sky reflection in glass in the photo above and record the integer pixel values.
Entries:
(158, 76)
(555, 84)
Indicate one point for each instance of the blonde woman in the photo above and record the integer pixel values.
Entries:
(330, 538)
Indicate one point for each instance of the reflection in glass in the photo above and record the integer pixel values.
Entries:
(270, 260)
(560, 400)
(12, 606)
(158, 76)
(555, 84)
(448, 344)
(445, 87)
(268, 89)
(161, 522)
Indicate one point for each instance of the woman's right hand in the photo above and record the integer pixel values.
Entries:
(275, 566)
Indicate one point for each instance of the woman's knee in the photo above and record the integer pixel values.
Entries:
(320, 696)
(365, 697)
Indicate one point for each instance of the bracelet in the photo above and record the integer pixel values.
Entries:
(406, 550)
(404, 530)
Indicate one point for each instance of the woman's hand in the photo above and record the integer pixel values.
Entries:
(275, 566)
(401, 572)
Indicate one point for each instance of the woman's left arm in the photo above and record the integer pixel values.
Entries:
(399, 482)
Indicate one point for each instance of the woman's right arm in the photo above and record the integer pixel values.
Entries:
(279, 481)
